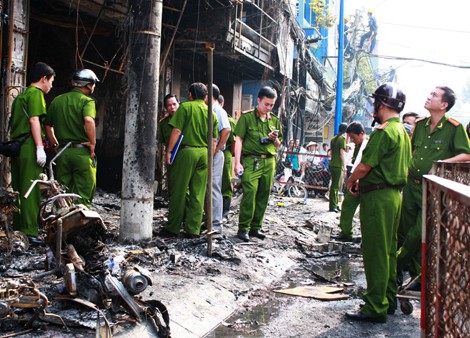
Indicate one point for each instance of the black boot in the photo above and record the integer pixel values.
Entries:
(226, 206)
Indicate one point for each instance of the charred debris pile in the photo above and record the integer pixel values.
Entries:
(83, 278)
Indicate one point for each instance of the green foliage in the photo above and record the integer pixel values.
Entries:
(362, 68)
(366, 72)
(323, 17)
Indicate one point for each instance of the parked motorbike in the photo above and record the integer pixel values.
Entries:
(289, 184)
(317, 179)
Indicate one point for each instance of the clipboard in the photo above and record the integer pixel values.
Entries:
(175, 148)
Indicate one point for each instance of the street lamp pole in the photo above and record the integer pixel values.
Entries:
(339, 74)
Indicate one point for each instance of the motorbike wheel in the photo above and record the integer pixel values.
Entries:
(297, 191)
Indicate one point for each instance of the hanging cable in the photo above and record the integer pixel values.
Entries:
(388, 57)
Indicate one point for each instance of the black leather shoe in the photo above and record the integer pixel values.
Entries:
(257, 233)
(334, 210)
(164, 233)
(359, 316)
(243, 235)
(34, 241)
(390, 311)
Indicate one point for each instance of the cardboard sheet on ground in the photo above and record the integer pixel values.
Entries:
(316, 292)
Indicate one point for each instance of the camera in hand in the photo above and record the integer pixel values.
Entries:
(265, 140)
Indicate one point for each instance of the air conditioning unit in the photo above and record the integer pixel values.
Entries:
(247, 101)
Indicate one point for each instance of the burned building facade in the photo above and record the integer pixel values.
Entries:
(255, 43)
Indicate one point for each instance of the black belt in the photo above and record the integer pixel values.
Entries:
(76, 145)
(259, 156)
(380, 186)
(415, 180)
(184, 147)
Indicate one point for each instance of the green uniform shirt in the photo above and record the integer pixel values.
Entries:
(388, 152)
(445, 141)
(231, 137)
(250, 128)
(191, 118)
(66, 114)
(337, 143)
(164, 131)
(32, 102)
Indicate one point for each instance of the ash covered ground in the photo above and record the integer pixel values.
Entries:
(229, 294)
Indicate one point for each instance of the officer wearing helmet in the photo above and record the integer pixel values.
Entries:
(337, 165)
(71, 118)
(378, 179)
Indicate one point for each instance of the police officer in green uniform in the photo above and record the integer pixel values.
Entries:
(357, 135)
(337, 165)
(71, 118)
(381, 175)
(27, 114)
(189, 169)
(258, 134)
(437, 137)
(227, 189)
(171, 104)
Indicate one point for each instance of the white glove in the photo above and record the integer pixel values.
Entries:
(40, 156)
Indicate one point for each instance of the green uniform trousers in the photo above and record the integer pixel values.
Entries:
(77, 171)
(410, 229)
(24, 169)
(348, 209)
(380, 215)
(257, 180)
(187, 181)
(336, 178)
(227, 190)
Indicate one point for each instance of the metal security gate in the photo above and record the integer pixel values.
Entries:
(445, 308)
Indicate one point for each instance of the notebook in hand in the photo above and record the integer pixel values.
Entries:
(175, 148)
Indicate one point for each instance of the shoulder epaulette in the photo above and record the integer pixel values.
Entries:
(164, 117)
(453, 121)
(383, 126)
(419, 119)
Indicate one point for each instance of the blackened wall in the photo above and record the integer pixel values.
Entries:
(55, 44)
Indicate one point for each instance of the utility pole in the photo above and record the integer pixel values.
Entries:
(210, 130)
(339, 77)
(138, 170)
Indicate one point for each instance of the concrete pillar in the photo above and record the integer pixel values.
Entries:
(141, 120)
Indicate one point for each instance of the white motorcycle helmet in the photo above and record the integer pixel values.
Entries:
(83, 77)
